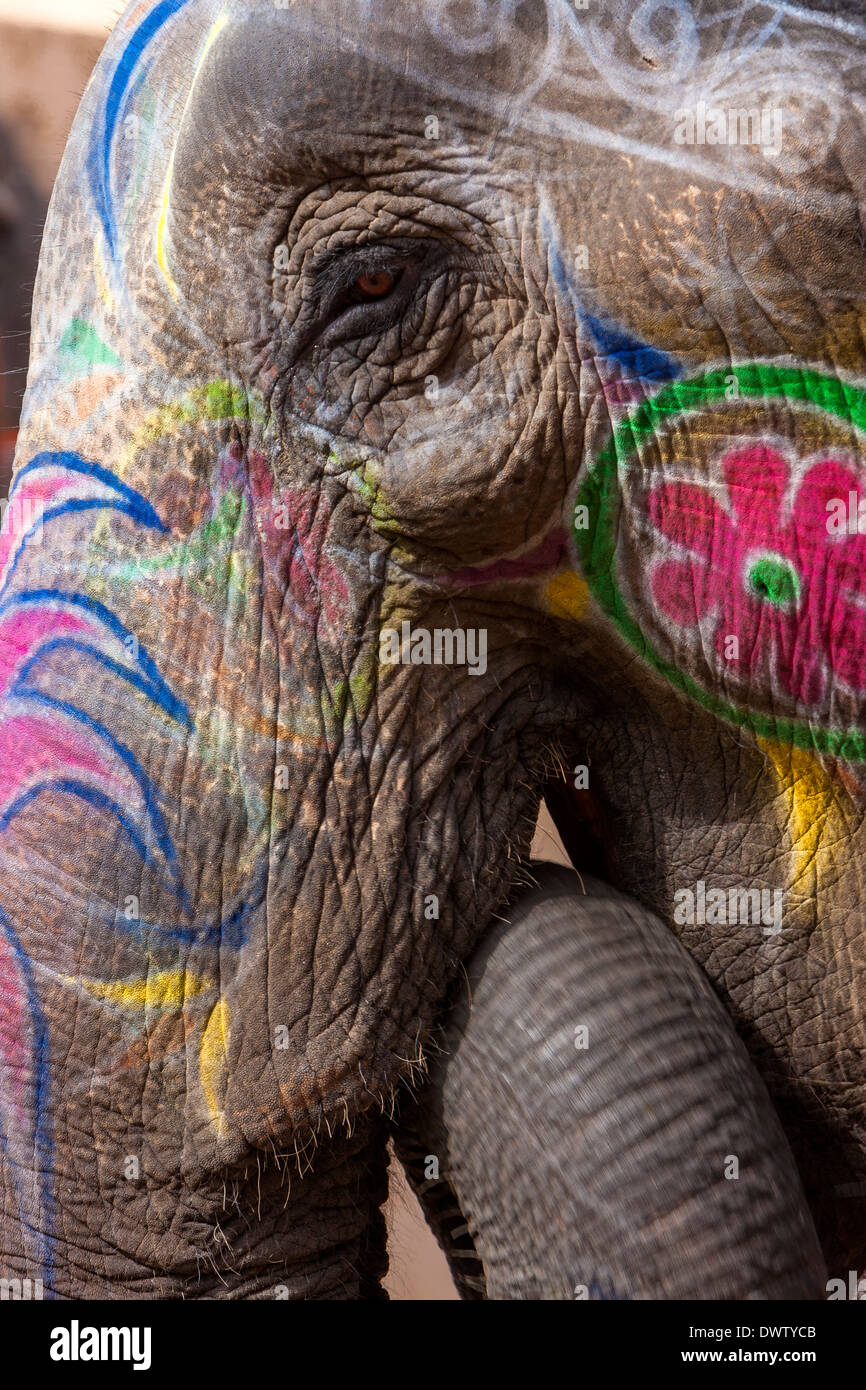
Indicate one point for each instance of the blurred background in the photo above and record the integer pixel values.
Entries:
(47, 51)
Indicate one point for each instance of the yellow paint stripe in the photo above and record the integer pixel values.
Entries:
(162, 225)
(161, 990)
(567, 595)
(100, 275)
(212, 1063)
(809, 801)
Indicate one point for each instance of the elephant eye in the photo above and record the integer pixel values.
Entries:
(369, 289)
(375, 284)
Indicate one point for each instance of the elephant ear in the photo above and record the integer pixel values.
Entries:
(594, 1127)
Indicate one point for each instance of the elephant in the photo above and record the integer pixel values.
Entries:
(432, 409)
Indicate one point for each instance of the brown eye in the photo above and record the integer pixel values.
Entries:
(375, 285)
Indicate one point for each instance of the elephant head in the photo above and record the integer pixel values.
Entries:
(421, 403)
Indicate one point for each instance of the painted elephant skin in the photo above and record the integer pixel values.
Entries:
(425, 400)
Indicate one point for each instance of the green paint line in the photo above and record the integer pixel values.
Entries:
(207, 558)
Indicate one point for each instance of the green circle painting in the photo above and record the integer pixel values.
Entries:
(722, 529)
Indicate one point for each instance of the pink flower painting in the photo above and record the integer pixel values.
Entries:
(762, 564)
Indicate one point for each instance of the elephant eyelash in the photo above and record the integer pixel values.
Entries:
(350, 294)
(345, 314)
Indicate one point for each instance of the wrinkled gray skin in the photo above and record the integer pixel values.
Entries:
(252, 191)
(601, 1131)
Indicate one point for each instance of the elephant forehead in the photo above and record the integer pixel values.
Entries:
(298, 95)
(543, 61)
(572, 117)
(615, 77)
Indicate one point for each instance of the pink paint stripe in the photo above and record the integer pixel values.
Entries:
(32, 746)
(22, 630)
(45, 486)
(38, 490)
(546, 556)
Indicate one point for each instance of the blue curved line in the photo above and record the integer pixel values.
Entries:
(635, 357)
(232, 933)
(100, 156)
(43, 1141)
(85, 792)
(115, 627)
(75, 504)
(130, 762)
(161, 695)
(144, 512)
(561, 277)
(228, 933)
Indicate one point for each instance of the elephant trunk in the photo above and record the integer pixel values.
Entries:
(599, 1122)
